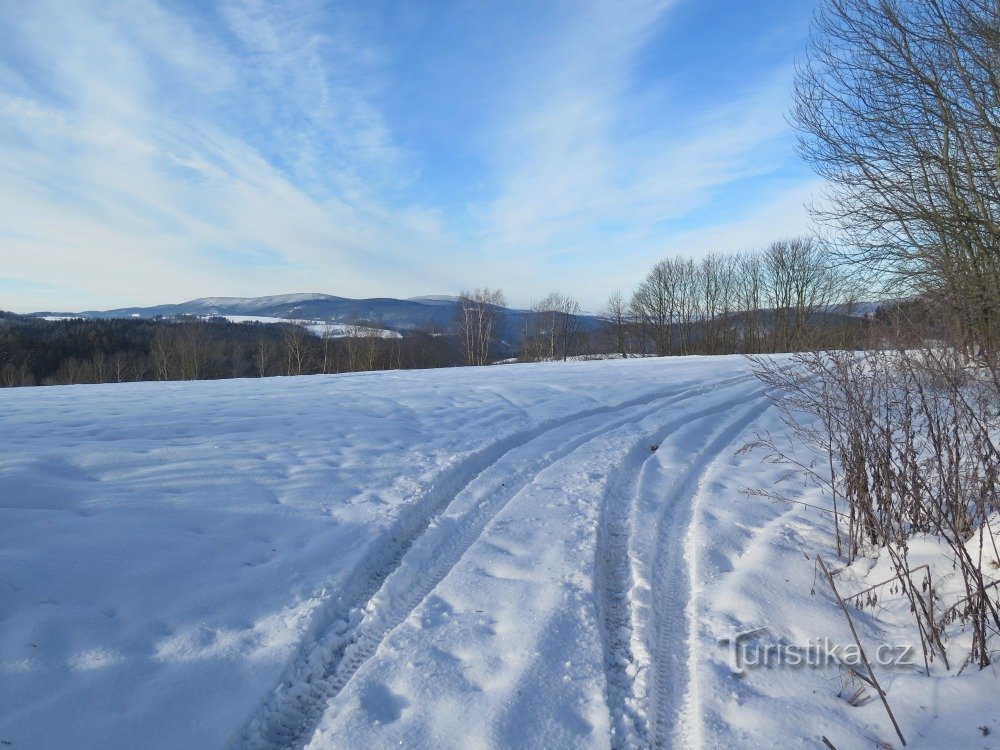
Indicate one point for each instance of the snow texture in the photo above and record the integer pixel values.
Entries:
(522, 556)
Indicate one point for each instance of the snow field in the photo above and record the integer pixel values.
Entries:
(543, 555)
(174, 545)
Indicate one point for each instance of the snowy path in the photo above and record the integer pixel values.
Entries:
(645, 643)
(669, 584)
(489, 557)
(416, 560)
(612, 450)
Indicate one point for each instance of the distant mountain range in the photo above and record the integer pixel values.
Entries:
(431, 312)
(427, 313)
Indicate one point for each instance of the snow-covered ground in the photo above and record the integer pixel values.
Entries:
(257, 319)
(541, 555)
(319, 327)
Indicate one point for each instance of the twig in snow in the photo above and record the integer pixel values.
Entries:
(870, 679)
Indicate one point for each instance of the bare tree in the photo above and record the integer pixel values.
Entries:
(655, 304)
(138, 365)
(100, 367)
(616, 320)
(784, 298)
(13, 377)
(800, 282)
(328, 336)
(163, 354)
(263, 355)
(553, 328)
(362, 342)
(897, 109)
(535, 341)
(715, 277)
(119, 366)
(478, 322)
(297, 338)
(749, 301)
(192, 349)
(568, 328)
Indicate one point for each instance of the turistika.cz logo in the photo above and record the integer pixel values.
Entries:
(751, 649)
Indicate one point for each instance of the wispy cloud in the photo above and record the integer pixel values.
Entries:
(122, 184)
(601, 168)
(151, 152)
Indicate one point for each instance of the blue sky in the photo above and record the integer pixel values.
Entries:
(159, 151)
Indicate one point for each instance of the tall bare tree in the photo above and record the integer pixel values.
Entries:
(568, 325)
(616, 322)
(163, 353)
(800, 282)
(478, 323)
(263, 355)
(297, 339)
(553, 329)
(655, 303)
(362, 340)
(897, 106)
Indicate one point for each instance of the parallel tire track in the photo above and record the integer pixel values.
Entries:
(400, 571)
(624, 658)
(671, 585)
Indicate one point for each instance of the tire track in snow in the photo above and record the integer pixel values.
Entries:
(625, 656)
(402, 568)
(671, 584)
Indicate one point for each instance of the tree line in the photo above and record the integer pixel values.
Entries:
(784, 298)
(62, 352)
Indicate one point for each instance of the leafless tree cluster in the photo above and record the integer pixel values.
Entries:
(617, 324)
(15, 376)
(119, 367)
(34, 351)
(553, 330)
(897, 107)
(479, 323)
(359, 346)
(784, 298)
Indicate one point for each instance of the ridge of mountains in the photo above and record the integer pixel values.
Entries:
(434, 312)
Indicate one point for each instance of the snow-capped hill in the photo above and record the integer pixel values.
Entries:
(258, 302)
(435, 299)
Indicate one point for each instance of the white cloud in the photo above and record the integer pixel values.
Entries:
(148, 156)
(587, 171)
(110, 194)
